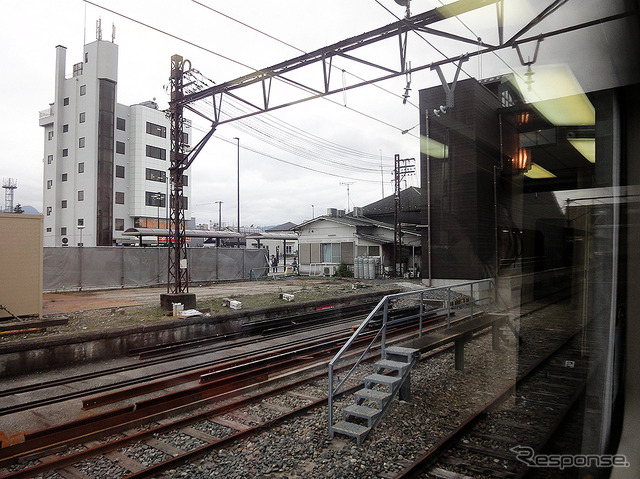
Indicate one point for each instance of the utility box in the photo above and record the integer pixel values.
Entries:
(21, 258)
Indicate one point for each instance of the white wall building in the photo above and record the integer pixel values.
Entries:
(105, 164)
(327, 241)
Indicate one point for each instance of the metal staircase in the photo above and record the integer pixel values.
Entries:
(372, 402)
(379, 390)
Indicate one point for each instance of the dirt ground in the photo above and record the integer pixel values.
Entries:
(112, 309)
(76, 301)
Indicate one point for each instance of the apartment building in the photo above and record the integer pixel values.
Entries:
(105, 164)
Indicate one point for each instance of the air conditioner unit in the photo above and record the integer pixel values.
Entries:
(330, 270)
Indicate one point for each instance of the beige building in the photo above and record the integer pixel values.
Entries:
(21, 253)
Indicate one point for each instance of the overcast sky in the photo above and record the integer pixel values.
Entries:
(277, 185)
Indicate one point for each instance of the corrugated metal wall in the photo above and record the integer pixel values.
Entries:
(90, 268)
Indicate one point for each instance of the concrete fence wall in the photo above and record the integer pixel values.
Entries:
(116, 267)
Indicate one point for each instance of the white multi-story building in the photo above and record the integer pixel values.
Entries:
(105, 164)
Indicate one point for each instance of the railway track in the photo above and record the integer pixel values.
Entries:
(203, 431)
(499, 438)
(228, 375)
(167, 355)
(212, 429)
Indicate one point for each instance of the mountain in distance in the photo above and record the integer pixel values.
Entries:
(29, 210)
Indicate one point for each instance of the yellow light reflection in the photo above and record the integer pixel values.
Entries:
(433, 148)
(537, 172)
(522, 159)
(556, 94)
(460, 7)
(586, 147)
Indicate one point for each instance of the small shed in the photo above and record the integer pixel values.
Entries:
(21, 250)
(282, 243)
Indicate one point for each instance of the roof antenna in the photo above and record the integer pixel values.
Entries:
(99, 29)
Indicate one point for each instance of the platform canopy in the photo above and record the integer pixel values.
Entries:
(274, 236)
(141, 232)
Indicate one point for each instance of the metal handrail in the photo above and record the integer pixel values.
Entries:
(382, 332)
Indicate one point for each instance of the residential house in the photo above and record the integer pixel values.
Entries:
(327, 241)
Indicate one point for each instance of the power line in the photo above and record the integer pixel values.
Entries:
(494, 52)
(421, 37)
(305, 145)
(300, 50)
(247, 25)
(288, 137)
(176, 37)
(297, 165)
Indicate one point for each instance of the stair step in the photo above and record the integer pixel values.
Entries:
(393, 365)
(393, 352)
(381, 379)
(351, 429)
(366, 394)
(364, 412)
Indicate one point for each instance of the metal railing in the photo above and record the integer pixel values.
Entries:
(457, 296)
(45, 113)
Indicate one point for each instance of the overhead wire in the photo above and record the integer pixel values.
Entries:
(164, 32)
(195, 45)
(442, 53)
(297, 165)
(276, 132)
(377, 169)
(289, 144)
(446, 57)
(424, 39)
(300, 50)
(292, 139)
(475, 35)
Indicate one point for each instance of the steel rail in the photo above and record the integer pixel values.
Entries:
(162, 405)
(303, 322)
(108, 424)
(118, 369)
(77, 394)
(74, 458)
(243, 371)
(157, 376)
(447, 441)
(247, 362)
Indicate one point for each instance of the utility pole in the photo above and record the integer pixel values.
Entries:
(238, 139)
(219, 203)
(381, 174)
(178, 272)
(402, 168)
